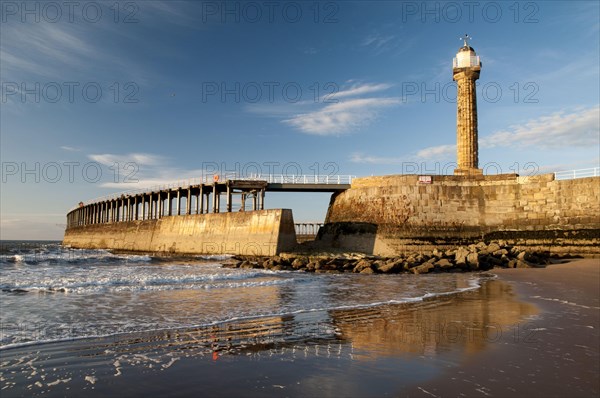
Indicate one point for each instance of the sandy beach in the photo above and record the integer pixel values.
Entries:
(526, 332)
(555, 354)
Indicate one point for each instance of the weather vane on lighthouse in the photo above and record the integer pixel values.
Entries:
(466, 39)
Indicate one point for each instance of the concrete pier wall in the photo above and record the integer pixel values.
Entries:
(263, 232)
(399, 213)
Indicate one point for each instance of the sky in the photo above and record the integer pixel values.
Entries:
(102, 97)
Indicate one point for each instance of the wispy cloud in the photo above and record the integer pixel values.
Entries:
(436, 152)
(340, 118)
(69, 148)
(142, 170)
(347, 110)
(565, 129)
(379, 43)
(376, 40)
(141, 159)
(580, 128)
(360, 89)
(365, 159)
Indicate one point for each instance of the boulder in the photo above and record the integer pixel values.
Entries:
(492, 247)
(300, 262)
(391, 266)
(423, 268)
(460, 257)
(361, 265)
(443, 263)
(367, 270)
(473, 261)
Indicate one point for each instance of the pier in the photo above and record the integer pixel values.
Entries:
(198, 196)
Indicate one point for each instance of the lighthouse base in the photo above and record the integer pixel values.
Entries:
(468, 172)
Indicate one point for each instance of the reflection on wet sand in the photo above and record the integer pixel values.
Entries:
(458, 324)
(464, 322)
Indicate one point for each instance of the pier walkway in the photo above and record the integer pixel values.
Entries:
(198, 196)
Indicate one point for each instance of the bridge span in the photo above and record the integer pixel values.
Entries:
(198, 196)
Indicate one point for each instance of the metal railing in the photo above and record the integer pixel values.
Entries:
(303, 179)
(580, 173)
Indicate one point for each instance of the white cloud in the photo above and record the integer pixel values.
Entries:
(340, 118)
(360, 158)
(564, 129)
(376, 40)
(339, 115)
(69, 148)
(360, 89)
(141, 159)
(579, 128)
(436, 152)
(148, 170)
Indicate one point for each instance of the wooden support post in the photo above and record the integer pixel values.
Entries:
(178, 202)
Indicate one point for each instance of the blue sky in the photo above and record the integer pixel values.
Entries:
(165, 91)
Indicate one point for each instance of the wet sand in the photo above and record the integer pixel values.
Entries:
(553, 355)
(529, 332)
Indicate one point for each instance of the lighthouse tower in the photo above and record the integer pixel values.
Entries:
(466, 68)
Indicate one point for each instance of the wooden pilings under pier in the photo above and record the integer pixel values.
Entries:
(197, 199)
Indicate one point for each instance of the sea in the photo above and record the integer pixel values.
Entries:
(50, 293)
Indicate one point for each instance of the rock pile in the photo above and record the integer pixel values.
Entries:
(481, 256)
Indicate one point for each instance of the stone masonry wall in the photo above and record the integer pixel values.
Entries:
(403, 213)
(265, 232)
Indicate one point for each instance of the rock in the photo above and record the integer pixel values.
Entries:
(493, 261)
(522, 264)
(361, 265)
(391, 266)
(450, 253)
(492, 247)
(246, 264)
(423, 268)
(335, 264)
(522, 256)
(460, 257)
(299, 263)
(512, 264)
(437, 253)
(500, 253)
(320, 264)
(443, 263)
(473, 261)
(367, 270)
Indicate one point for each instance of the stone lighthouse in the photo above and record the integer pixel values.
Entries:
(466, 68)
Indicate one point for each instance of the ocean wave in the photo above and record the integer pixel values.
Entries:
(231, 318)
(138, 282)
(71, 256)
